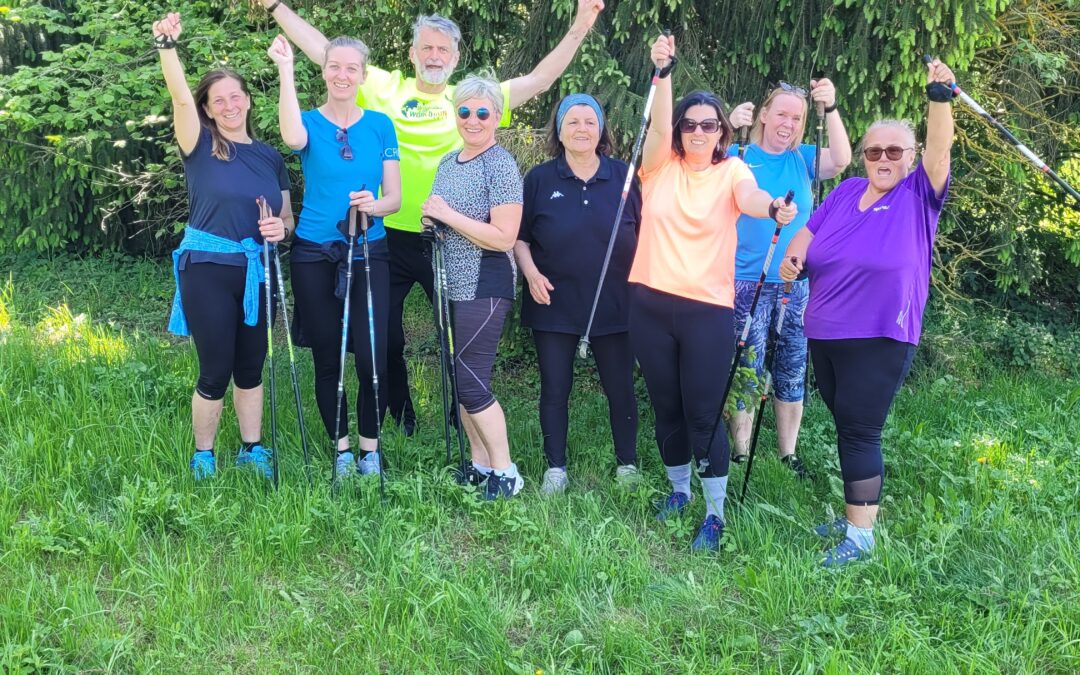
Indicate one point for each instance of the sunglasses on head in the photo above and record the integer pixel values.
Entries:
(709, 126)
(791, 89)
(464, 112)
(893, 152)
(342, 137)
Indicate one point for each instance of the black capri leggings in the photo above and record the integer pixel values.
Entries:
(320, 313)
(615, 363)
(477, 328)
(213, 299)
(858, 380)
(685, 348)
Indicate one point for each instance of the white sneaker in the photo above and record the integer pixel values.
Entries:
(627, 476)
(555, 481)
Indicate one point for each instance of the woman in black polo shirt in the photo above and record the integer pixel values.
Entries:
(569, 207)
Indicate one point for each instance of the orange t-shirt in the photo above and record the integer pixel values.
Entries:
(686, 246)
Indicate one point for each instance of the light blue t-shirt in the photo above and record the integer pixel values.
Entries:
(328, 179)
(775, 174)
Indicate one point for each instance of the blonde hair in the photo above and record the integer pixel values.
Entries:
(481, 84)
(756, 129)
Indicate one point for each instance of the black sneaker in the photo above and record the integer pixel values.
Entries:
(470, 477)
(503, 486)
(796, 465)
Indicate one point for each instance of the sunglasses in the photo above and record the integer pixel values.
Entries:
(465, 112)
(709, 126)
(893, 152)
(791, 89)
(342, 137)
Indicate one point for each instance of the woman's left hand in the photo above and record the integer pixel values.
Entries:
(364, 201)
(939, 72)
(437, 208)
(823, 91)
(272, 229)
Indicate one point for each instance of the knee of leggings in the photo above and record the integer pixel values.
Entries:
(247, 377)
(476, 402)
(211, 389)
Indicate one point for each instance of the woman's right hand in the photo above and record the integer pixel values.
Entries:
(791, 268)
(540, 288)
(168, 26)
(662, 50)
(280, 51)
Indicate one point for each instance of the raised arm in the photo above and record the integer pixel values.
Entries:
(657, 145)
(552, 66)
(939, 131)
(185, 115)
(836, 157)
(292, 128)
(300, 32)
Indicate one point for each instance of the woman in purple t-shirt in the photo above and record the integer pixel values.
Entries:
(867, 252)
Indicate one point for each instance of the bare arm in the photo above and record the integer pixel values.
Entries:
(539, 286)
(795, 256)
(755, 203)
(657, 145)
(498, 235)
(286, 214)
(836, 157)
(185, 115)
(300, 32)
(939, 131)
(292, 127)
(552, 66)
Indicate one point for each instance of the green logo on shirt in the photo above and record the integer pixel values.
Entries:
(415, 109)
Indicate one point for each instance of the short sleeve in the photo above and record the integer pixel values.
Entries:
(808, 151)
(919, 183)
(649, 175)
(506, 114)
(740, 172)
(822, 212)
(505, 180)
(305, 119)
(633, 204)
(282, 171)
(389, 139)
(529, 190)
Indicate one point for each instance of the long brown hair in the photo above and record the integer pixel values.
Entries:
(222, 148)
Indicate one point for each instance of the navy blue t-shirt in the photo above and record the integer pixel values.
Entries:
(567, 222)
(222, 193)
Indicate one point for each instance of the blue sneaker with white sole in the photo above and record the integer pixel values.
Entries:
(369, 464)
(203, 464)
(709, 536)
(259, 457)
(843, 553)
(674, 505)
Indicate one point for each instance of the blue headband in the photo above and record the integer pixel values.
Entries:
(572, 100)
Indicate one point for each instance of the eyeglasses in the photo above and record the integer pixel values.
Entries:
(893, 152)
(709, 126)
(464, 112)
(791, 89)
(342, 137)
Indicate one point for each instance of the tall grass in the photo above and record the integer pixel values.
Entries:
(112, 559)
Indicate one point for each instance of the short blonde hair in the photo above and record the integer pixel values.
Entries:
(756, 129)
(480, 85)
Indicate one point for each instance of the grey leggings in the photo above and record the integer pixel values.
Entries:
(477, 327)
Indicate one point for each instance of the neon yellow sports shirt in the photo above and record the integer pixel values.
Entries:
(426, 131)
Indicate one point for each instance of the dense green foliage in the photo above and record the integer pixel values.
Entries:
(113, 561)
(87, 160)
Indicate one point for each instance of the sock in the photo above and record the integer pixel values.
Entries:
(211, 450)
(342, 451)
(246, 447)
(509, 472)
(715, 490)
(364, 454)
(862, 536)
(679, 477)
(482, 470)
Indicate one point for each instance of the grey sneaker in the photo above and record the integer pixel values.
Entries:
(555, 481)
(627, 476)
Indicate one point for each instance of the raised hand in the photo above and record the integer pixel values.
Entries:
(587, 11)
(169, 26)
(823, 91)
(280, 51)
(662, 50)
(742, 115)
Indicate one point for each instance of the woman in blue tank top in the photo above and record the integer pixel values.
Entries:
(218, 266)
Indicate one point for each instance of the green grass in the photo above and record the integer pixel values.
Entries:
(112, 559)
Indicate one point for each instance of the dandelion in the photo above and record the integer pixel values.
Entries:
(4, 9)
(983, 460)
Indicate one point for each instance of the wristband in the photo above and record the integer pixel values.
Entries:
(830, 109)
(939, 92)
(666, 70)
(271, 8)
(163, 41)
(772, 211)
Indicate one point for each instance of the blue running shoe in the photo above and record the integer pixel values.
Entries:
(369, 464)
(674, 505)
(261, 458)
(709, 536)
(345, 464)
(843, 553)
(833, 529)
(203, 464)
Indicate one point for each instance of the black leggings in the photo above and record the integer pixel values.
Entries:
(477, 328)
(685, 348)
(213, 299)
(615, 363)
(410, 263)
(320, 313)
(858, 380)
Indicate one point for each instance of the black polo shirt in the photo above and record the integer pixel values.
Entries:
(567, 222)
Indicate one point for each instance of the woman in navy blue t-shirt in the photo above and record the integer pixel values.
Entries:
(218, 266)
(350, 158)
(569, 210)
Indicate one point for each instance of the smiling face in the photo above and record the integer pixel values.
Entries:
(885, 173)
(434, 56)
(343, 73)
(580, 130)
(782, 123)
(699, 145)
(475, 132)
(227, 105)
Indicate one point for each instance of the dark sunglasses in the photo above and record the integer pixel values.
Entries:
(893, 152)
(791, 89)
(343, 138)
(709, 126)
(465, 112)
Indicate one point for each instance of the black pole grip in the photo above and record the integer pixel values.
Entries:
(789, 196)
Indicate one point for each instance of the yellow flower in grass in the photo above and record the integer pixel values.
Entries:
(983, 460)
(4, 9)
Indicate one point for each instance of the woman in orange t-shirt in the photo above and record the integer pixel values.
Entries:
(681, 307)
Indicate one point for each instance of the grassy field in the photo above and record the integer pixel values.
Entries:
(112, 559)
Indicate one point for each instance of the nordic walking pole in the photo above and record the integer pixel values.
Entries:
(1008, 136)
(765, 391)
(741, 344)
(374, 361)
(818, 189)
(264, 212)
(344, 337)
(440, 319)
(744, 138)
(583, 344)
(292, 357)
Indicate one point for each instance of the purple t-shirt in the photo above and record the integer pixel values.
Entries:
(869, 270)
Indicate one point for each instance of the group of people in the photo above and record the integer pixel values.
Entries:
(686, 257)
